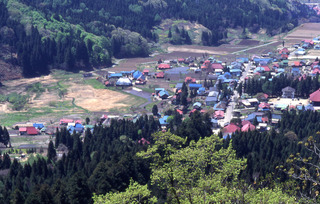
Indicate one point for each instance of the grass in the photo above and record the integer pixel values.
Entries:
(55, 110)
(94, 83)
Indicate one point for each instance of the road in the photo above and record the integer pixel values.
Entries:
(234, 98)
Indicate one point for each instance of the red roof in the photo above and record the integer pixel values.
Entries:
(265, 119)
(219, 114)
(276, 65)
(78, 121)
(23, 129)
(315, 96)
(32, 131)
(231, 128)
(266, 68)
(66, 121)
(160, 74)
(315, 71)
(248, 127)
(179, 111)
(244, 122)
(146, 71)
(204, 67)
(180, 60)
(264, 105)
(164, 66)
(284, 56)
(190, 80)
(216, 66)
(296, 63)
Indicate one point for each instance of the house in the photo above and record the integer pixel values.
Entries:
(164, 121)
(140, 81)
(300, 51)
(236, 72)
(159, 75)
(229, 130)
(201, 91)
(38, 125)
(195, 86)
(220, 106)
(211, 100)
(215, 66)
(288, 92)
(115, 75)
(219, 114)
(181, 60)
(124, 81)
(197, 105)
(315, 98)
(264, 106)
(32, 131)
(23, 130)
(164, 66)
(65, 121)
(214, 123)
(190, 80)
(163, 94)
(248, 127)
(137, 74)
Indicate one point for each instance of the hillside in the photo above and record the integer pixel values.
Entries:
(75, 35)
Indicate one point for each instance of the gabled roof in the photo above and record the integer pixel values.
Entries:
(23, 129)
(32, 131)
(315, 96)
(164, 66)
(216, 66)
(248, 126)
(231, 128)
(264, 105)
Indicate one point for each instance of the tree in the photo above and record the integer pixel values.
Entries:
(87, 120)
(304, 168)
(5, 137)
(155, 110)
(135, 193)
(51, 151)
(200, 172)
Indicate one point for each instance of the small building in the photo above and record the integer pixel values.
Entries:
(248, 127)
(229, 130)
(32, 131)
(124, 81)
(38, 125)
(159, 75)
(163, 94)
(197, 105)
(264, 106)
(164, 66)
(164, 121)
(219, 114)
(65, 121)
(201, 91)
(288, 92)
(195, 86)
(315, 98)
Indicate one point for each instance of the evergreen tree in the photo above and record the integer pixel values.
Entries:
(51, 152)
(155, 110)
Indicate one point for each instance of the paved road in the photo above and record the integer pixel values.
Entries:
(234, 98)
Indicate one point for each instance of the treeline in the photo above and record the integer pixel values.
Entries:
(304, 86)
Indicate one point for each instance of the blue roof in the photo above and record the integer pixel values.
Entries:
(202, 89)
(163, 120)
(281, 70)
(137, 74)
(159, 89)
(38, 125)
(179, 85)
(162, 93)
(78, 125)
(295, 69)
(116, 75)
(195, 85)
(235, 70)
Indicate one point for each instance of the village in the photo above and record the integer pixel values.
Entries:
(239, 93)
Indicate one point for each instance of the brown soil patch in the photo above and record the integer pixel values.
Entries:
(96, 99)
(305, 31)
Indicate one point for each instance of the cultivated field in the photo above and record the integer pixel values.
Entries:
(81, 96)
(305, 31)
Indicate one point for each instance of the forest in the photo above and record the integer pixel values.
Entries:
(75, 35)
(115, 164)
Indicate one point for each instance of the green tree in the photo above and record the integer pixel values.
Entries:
(155, 110)
(51, 152)
(135, 193)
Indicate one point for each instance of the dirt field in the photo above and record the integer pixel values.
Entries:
(96, 99)
(305, 31)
